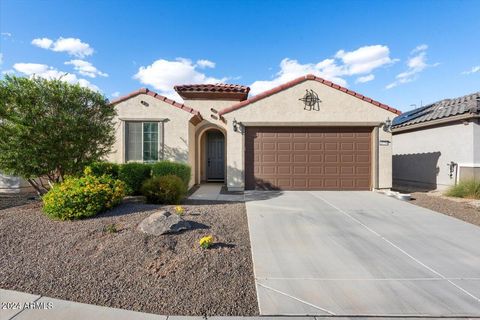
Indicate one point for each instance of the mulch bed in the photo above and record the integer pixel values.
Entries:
(458, 209)
(88, 261)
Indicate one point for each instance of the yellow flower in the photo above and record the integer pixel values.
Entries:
(179, 210)
(206, 242)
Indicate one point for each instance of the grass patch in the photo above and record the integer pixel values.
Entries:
(465, 189)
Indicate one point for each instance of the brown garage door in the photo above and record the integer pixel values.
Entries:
(308, 158)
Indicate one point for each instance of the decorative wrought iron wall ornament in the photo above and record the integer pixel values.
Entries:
(311, 101)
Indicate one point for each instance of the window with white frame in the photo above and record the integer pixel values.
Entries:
(143, 141)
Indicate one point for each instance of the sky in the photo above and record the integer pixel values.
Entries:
(401, 53)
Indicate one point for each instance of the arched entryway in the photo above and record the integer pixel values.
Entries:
(211, 159)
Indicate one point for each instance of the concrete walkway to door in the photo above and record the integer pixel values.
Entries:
(213, 192)
(360, 254)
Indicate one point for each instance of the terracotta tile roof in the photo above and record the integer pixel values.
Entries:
(300, 80)
(468, 104)
(217, 87)
(213, 91)
(159, 97)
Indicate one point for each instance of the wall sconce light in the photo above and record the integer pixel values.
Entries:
(235, 125)
(387, 126)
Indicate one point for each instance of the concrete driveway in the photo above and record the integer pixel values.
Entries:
(360, 253)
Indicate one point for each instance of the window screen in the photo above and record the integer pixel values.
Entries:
(143, 140)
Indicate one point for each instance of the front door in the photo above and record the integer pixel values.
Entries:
(215, 156)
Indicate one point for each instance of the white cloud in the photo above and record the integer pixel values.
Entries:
(365, 79)
(474, 69)
(421, 47)
(164, 74)
(47, 72)
(291, 69)
(203, 63)
(43, 43)
(86, 68)
(6, 34)
(72, 46)
(115, 94)
(363, 60)
(416, 64)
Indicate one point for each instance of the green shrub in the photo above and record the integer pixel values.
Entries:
(77, 198)
(100, 168)
(465, 189)
(168, 189)
(180, 170)
(134, 174)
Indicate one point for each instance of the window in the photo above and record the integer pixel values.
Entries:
(143, 141)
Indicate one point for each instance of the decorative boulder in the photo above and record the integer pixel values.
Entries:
(163, 222)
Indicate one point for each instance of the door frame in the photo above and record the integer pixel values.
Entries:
(200, 151)
(208, 136)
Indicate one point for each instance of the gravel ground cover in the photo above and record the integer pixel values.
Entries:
(8, 200)
(458, 208)
(107, 261)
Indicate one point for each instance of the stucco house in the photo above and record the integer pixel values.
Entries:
(437, 145)
(307, 134)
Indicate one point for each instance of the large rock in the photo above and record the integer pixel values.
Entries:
(163, 222)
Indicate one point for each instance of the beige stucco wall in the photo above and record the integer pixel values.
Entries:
(205, 106)
(177, 134)
(284, 108)
(421, 156)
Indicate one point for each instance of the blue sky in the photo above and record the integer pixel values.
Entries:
(398, 52)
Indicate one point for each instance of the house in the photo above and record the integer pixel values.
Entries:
(307, 134)
(437, 145)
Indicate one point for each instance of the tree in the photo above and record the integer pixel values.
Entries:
(50, 128)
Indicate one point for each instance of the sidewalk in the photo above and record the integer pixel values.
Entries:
(44, 308)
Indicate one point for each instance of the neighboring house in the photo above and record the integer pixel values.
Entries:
(307, 134)
(13, 184)
(437, 145)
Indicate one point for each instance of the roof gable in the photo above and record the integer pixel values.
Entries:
(159, 97)
(300, 80)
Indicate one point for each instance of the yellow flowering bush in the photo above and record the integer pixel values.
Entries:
(179, 210)
(77, 198)
(206, 242)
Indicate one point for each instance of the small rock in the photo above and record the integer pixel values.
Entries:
(163, 222)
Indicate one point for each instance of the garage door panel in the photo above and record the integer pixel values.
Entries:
(315, 158)
(301, 135)
(300, 170)
(284, 158)
(331, 146)
(284, 146)
(299, 158)
(315, 146)
(300, 146)
(347, 146)
(331, 158)
(331, 170)
(315, 170)
(308, 158)
(362, 146)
